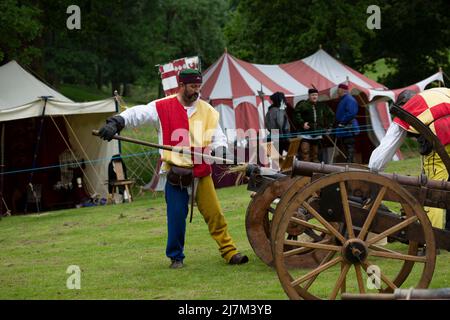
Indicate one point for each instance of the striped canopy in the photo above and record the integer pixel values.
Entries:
(240, 90)
(232, 78)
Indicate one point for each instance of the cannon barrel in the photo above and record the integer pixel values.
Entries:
(260, 177)
(302, 168)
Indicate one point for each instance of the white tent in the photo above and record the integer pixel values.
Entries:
(23, 102)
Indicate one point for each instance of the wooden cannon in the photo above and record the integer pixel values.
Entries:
(271, 192)
(323, 221)
(330, 215)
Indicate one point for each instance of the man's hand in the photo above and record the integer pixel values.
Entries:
(306, 126)
(113, 126)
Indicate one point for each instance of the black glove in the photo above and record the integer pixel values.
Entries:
(113, 126)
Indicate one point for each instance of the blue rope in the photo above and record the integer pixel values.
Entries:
(80, 163)
(363, 128)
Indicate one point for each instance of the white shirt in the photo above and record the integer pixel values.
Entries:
(384, 153)
(147, 114)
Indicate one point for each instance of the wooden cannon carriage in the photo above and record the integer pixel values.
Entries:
(320, 227)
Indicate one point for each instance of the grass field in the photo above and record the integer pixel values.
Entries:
(120, 250)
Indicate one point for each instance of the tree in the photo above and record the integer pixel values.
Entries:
(414, 39)
(19, 25)
(285, 30)
(119, 43)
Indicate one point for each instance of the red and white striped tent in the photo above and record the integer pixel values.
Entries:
(231, 85)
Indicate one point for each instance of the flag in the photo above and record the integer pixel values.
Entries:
(170, 71)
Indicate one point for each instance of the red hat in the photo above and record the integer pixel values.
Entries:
(343, 86)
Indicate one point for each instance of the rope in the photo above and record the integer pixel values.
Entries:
(139, 164)
(445, 75)
(123, 106)
(8, 212)
(148, 154)
(363, 128)
(72, 163)
(135, 155)
(73, 155)
(81, 146)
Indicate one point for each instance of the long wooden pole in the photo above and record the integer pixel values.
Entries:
(169, 148)
(35, 155)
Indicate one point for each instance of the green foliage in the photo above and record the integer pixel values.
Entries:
(119, 43)
(413, 38)
(281, 31)
(19, 25)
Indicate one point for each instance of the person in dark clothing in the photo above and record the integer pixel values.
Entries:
(347, 124)
(277, 119)
(311, 119)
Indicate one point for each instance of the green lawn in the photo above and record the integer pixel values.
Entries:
(121, 252)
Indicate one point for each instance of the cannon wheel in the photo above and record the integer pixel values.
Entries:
(263, 216)
(261, 213)
(351, 250)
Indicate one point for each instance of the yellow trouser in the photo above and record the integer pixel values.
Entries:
(209, 207)
(435, 169)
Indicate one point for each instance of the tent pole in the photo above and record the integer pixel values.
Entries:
(261, 95)
(36, 150)
(116, 102)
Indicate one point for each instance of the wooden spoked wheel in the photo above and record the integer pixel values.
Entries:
(261, 214)
(374, 268)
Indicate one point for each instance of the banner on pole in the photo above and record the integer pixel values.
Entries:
(170, 71)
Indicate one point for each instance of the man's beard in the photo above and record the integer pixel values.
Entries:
(191, 98)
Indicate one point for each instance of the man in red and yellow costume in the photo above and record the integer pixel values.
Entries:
(432, 108)
(184, 120)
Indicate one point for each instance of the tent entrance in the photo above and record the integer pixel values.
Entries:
(54, 178)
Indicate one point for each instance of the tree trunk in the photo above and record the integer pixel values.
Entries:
(99, 78)
(126, 89)
(115, 85)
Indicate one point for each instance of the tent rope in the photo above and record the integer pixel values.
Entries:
(123, 106)
(446, 76)
(74, 156)
(146, 164)
(82, 162)
(82, 148)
